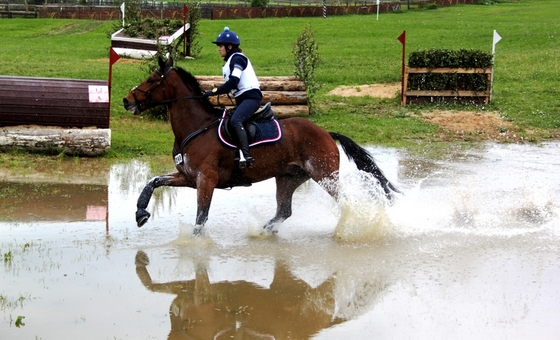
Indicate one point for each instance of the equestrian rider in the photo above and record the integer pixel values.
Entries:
(242, 82)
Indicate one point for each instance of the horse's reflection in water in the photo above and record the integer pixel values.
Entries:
(288, 309)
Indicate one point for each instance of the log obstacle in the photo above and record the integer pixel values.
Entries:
(287, 94)
(55, 115)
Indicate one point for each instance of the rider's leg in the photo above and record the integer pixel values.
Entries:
(243, 143)
(242, 113)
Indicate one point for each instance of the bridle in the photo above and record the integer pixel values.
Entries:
(148, 93)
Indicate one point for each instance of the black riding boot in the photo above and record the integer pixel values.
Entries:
(245, 160)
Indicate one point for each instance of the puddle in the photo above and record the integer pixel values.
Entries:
(470, 251)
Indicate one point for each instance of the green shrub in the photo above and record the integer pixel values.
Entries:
(306, 60)
(259, 3)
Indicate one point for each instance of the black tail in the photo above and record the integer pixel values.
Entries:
(364, 161)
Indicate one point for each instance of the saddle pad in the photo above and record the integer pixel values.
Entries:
(265, 132)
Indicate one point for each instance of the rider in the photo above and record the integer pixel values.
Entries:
(242, 82)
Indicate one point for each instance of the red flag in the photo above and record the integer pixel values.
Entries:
(185, 10)
(402, 37)
(113, 57)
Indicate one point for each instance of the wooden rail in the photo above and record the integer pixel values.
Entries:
(287, 94)
(447, 93)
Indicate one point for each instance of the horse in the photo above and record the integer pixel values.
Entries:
(204, 162)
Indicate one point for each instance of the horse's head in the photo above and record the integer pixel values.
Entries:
(151, 92)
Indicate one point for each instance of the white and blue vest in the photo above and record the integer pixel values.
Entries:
(248, 79)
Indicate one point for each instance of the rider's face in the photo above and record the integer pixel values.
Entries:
(222, 51)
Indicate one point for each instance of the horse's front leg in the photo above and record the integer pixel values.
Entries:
(205, 186)
(175, 179)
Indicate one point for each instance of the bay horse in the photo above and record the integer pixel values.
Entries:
(304, 151)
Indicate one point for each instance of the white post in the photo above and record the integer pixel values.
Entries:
(495, 40)
(122, 10)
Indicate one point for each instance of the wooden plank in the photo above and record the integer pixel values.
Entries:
(287, 111)
(266, 85)
(275, 97)
(447, 93)
(134, 45)
(263, 79)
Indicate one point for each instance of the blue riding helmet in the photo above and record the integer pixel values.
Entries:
(227, 37)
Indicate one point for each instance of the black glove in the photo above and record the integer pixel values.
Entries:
(213, 92)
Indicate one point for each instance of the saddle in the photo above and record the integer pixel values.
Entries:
(261, 128)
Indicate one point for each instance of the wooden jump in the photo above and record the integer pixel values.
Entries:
(54, 115)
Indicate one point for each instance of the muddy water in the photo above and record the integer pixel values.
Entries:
(471, 251)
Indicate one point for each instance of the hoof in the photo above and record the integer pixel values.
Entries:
(198, 231)
(141, 259)
(142, 217)
(269, 230)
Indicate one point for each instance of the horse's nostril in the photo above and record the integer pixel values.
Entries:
(125, 101)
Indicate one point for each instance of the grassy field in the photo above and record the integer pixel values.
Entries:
(354, 50)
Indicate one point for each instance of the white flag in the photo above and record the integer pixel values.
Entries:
(495, 41)
(122, 10)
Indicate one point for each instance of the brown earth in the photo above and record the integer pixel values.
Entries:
(455, 124)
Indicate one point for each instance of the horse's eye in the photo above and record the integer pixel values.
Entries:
(150, 80)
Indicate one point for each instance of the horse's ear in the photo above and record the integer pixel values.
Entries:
(161, 63)
(170, 61)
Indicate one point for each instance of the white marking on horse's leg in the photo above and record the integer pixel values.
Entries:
(199, 230)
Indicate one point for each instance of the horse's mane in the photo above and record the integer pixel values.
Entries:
(190, 80)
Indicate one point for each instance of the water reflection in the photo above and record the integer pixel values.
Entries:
(471, 249)
(287, 308)
(26, 202)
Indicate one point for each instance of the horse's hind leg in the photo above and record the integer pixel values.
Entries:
(174, 179)
(285, 187)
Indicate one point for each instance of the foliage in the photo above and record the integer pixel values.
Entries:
(306, 60)
(437, 58)
(259, 3)
(151, 28)
(148, 28)
(132, 12)
(193, 34)
(434, 58)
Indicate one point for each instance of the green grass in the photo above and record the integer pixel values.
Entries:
(354, 49)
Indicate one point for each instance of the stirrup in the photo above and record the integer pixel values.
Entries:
(244, 162)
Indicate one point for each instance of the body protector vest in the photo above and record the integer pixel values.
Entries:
(247, 80)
